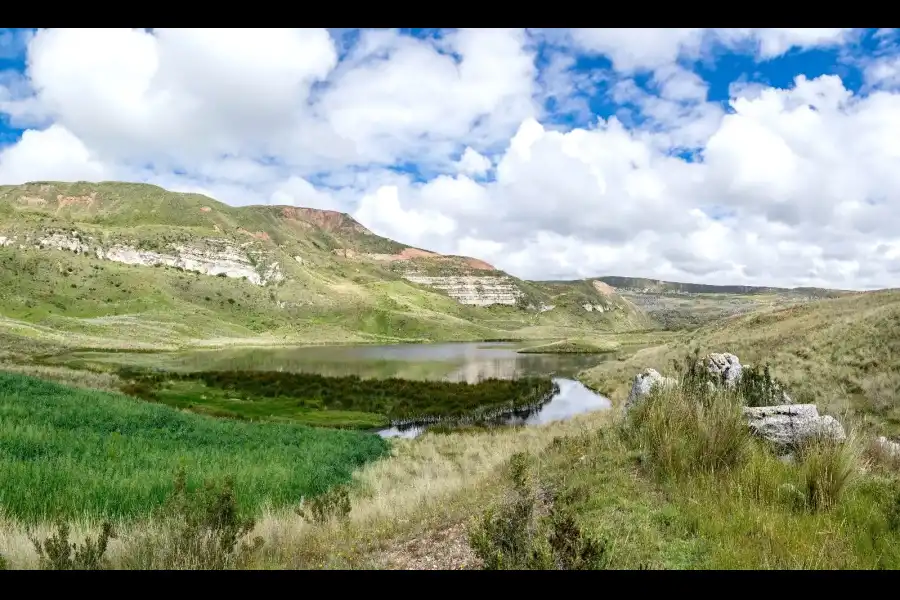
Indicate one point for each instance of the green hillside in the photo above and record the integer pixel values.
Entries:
(293, 275)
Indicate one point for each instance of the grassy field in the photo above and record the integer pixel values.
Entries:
(602, 492)
(71, 453)
(595, 492)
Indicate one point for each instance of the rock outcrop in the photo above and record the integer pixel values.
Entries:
(725, 367)
(226, 261)
(472, 290)
(219, 258)
(643, 384)
(789, 425)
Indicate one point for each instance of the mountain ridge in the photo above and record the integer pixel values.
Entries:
(86, 251)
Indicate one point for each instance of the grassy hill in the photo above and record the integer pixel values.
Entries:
(685, 305)
(841, 353)
(325, 277)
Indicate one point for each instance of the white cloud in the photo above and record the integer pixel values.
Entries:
(296, 191)
(473, 163)
(51, 154)
(636, 49)
(795, 186)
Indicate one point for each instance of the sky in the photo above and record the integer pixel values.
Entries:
(726, 156)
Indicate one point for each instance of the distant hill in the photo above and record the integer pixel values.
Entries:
(134, 264)
(678, 305)
(639, 284)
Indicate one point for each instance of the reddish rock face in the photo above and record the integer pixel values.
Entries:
(329, 220)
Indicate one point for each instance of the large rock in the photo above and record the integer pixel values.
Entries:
(726, 367)
(789, 425)
(644, 382)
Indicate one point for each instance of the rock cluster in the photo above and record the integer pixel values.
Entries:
(785, 425)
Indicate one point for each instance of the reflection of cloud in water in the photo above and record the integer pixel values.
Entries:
(475, 371)
(573, 399)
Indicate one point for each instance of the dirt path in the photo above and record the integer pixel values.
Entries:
(445, 549)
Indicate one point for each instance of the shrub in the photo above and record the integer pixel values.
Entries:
(335, 503)
(758, 388)
(56, 553)
(532, 529)
(202, 530)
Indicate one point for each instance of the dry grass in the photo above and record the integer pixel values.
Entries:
(88, 380)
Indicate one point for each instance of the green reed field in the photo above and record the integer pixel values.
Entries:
(69, 453)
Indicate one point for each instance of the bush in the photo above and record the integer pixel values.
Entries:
(333, 504)
(758, 388)
(56, 553)
(756, 385)
(202, 530)
(531, 529)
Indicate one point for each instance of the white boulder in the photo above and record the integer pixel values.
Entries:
(789, 425)
(643, 384)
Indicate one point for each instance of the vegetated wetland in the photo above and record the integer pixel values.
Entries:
(360, 387)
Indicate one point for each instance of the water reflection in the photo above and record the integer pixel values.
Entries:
(572, 399)
(469, 362)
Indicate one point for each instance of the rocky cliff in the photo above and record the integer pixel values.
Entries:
(473, 290)
(213, 257)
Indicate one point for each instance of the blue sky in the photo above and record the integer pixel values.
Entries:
(755, 156)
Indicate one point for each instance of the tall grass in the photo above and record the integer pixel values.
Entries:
(75, 453)
(683, 431)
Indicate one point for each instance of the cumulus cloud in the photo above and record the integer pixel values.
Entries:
(473, 163)
(455, 141)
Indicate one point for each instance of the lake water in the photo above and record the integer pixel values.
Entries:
(572, 399)
(466, 361)
(470, 362)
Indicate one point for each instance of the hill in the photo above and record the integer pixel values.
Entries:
(842, 354)
(684, 305)
(133, 265)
